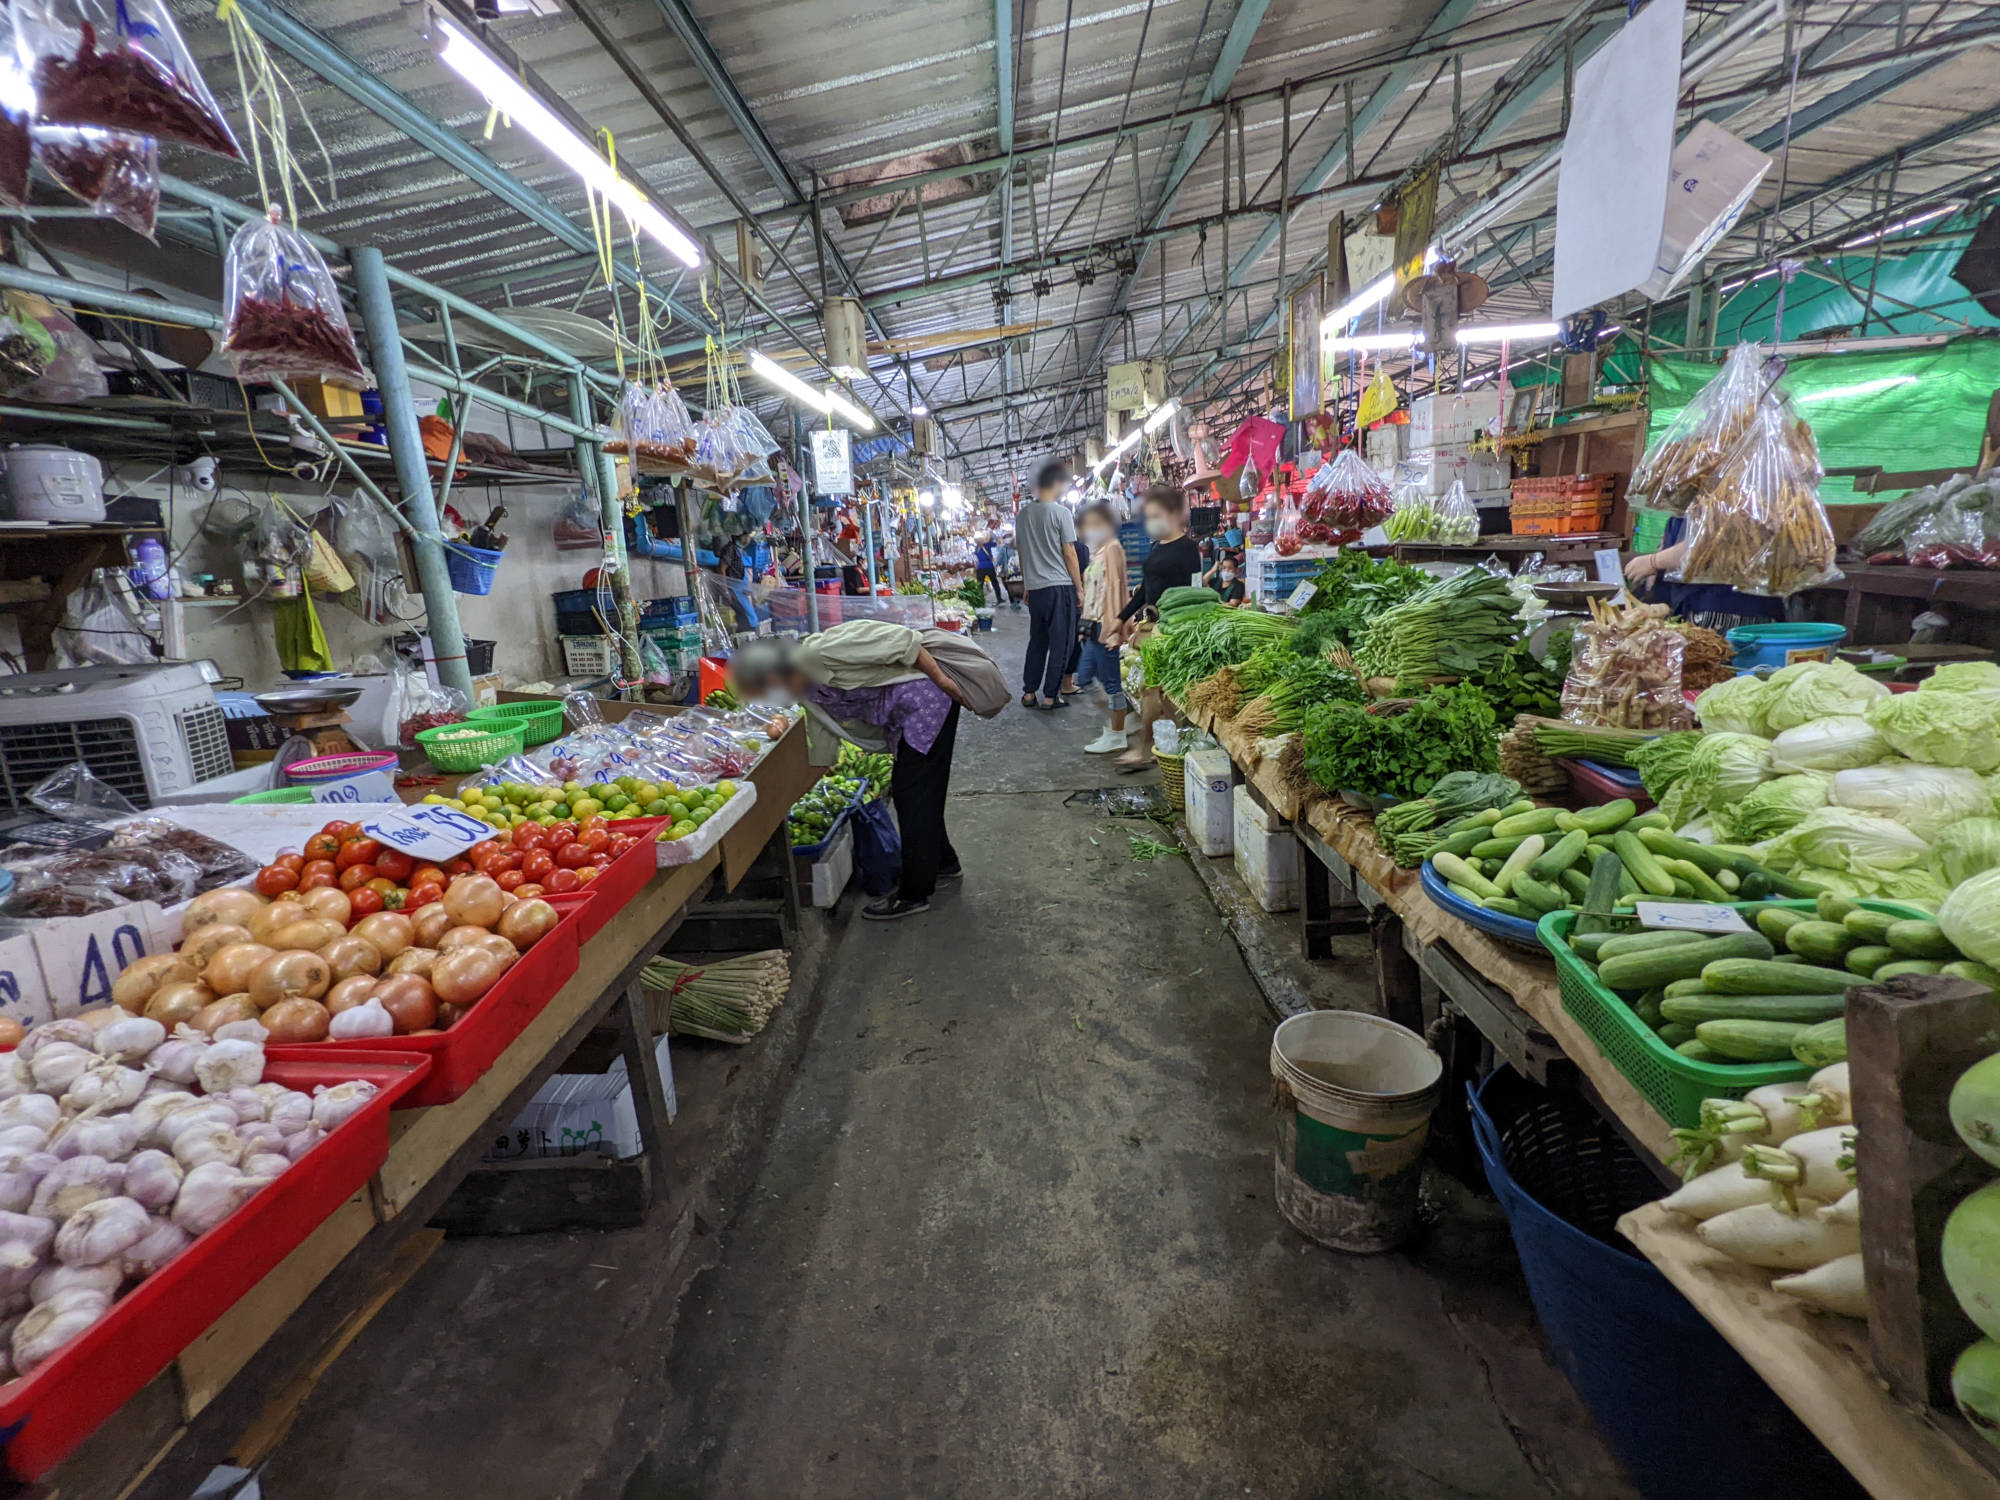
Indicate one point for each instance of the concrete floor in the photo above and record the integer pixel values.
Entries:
(1012, 1235)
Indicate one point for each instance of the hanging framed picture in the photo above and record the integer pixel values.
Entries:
(1304, 311)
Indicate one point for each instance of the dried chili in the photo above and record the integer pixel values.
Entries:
(116, 172)
(270, 337)
(127, 88)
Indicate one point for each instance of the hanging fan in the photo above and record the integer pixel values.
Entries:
(1440, 299)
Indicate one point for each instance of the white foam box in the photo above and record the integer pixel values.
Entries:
(821, 881)
(583, 1114)
(1267, 854)
(1452, 419)
(1208, 803)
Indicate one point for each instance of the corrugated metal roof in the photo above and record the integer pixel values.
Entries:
(840, 86)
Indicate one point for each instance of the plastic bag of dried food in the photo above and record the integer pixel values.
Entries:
(215, 862)
(1951, 536)
(1357, 496)
(1684, 460)
(1760, 527)
(121, 65)
(754, 441)
(26, 345)
(73, 375)
(1625, 671)
(116, 172)
(630, 429)
(78, 882)
(283, 318)
(675, 426)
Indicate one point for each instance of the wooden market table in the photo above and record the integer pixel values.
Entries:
(1819, 1366)
(162, 1443)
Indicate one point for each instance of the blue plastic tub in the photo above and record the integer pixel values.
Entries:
(470, 568)
(1782, 643)
(1658, 1379)
(1516, 930)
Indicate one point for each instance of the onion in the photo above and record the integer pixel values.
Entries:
(230, 904)
(173, 1003)
(413, 961)
(389, 931)
(11, 1032)
(409, 999)
(431, 923)
(287, 909)
(210, 940)
(462, 977)
(297, 1020)
(97, 1017)
(349, 992)
(236, 1007)
(477, 899)
(348, 955)
(526, 923)
(308, 935)
(465, 936)
(499, 947)
(290, 972)
(229, 971)
(330, 904)
(133, 988)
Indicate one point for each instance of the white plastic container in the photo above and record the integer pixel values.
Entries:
(48, 482)
(1208, 802)
(1267, 856)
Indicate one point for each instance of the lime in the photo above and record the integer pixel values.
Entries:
(646, 792)
(617, 802)
(725, 788)
(701, 815)
(559, 811)
(659, 807)
(676, 809)
(680, 830)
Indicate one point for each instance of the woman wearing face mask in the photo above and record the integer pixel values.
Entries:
(1228, 581)
(1174, 562)
(1103, 598)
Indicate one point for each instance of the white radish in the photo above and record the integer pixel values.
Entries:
(1772, 1237)
(1818, 1164)
(1845, 1209)
(1836, 1287)
(1717, 1192)
(1827, 1099)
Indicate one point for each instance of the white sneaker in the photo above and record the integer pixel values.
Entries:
(1105, 743)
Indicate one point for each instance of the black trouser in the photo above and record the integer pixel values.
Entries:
(986, 576)
(1052, 618)
(918, 784)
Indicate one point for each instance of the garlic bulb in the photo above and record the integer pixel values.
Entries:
(38, 1110)
(53, 1323)
(32, 1231)
(298, 1145)
(20, 1174)
(335, 1104)
(270, 1094)
(363, 1020)
(203, 1112)
(230, 1065)
(209, 1194)
(264, 1165)
(174, 1059)
(241, 1031)
(207, 1142)
(162, 1243)
(158, 1085)
(150, 1111)
(292, 1113)
(106, 1086)
(14, 1075)
(248, 1103)
(18, 1267)
(101, 1231)
(69, 1029)
(260, 1136)
(152, 1178)
(104, 1279)
(129, 1039)
(112, 1137)
(74, 1184)
(23, 1138)
(56, 1065)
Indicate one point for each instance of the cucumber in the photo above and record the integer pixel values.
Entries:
(1539, 820)
(1914, 938)
(1559, 856)
(1675, 1032)
(1463, 842)
(1493, 848)
(1870, 927)
(1586, 944)
(1651, 818)
(1507, 906)
(1775, 921)
(1651, 966)
(1699, 1051)
(1823, 1045)
(1755, 885)
(1820, 942)
(1639, 942)
(1831, 908)
(1729, 880)
(1906, 966)
(1525, 853)
(1978, 973)
(1786, 958)
(1607, 816)
(1531, 892)
(1457, 871)
(1681, 888)
(1605, 871)
(1686, 871)
(1685, 987)
(1640, 862)
(1694, 1009)
(1576, 883)
(1597, 849)
(1488, 867)
(1866, 959)
(1515, 808)
(1647, 1007)
(1749, 976)
(1750, 1041)
(1666, 846)
(1464, 893)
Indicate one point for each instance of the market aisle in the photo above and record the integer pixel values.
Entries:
(1015, 1236)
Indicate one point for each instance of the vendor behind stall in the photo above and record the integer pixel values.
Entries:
(1713, 605)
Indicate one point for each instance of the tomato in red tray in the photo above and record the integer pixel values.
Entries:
(364, 902)
(425, 875)
(357, 852)
(509, 880)
(275, 880)
(600, 859)
(587, 874)
(620, 842)
(324, 867)
(322, 846)
(425, 894)
(394, 863)
(459, 866)
(529, 836)
(382, 885)
(537, 863)
(356, 875)
(573, 856)
(395, 898)
(296, 863)
(320, 880)
(342, 832)
(596, 839)
(564, 880)
(559, 834)
(527, 889)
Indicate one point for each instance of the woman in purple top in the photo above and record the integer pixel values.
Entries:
(919, 718)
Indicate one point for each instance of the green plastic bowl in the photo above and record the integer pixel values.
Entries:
(450, 748)
(539, 719)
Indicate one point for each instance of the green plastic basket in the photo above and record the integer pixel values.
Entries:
(540, 719)
(283, 794)
(461, 752)
(1674, 1085)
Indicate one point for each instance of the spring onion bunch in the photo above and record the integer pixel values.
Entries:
(728, 1000)
(1304, 682)
(1201, 646)
(1460, 627)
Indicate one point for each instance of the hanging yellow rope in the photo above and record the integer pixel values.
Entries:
(264, 86)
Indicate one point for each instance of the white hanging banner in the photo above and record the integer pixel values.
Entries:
(1611, 196)
(833, 470)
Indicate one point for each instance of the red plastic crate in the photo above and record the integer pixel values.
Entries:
(623, 877)
(460, 1056)
(1594, 786)
(64, 1400)
(591, 914)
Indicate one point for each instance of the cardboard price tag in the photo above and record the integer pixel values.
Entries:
(1301, 596)
(369, 786)
(24, 994)
(426, 832)
(1689, 916)
(81, 956)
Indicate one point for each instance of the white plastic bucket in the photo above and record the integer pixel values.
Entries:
(1355, 1095)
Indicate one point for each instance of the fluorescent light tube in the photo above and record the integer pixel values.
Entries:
(768, 369)
(840, 406)
(1494, 333)
(1366, 342)
(507, 94)
(1163, 416)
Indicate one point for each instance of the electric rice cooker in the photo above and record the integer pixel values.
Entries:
(48, 482)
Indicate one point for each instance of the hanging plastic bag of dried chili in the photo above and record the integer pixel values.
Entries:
(283, 314)
(121, 65)
(114, 171)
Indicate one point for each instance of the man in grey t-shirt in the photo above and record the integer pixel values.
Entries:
(1045, 535)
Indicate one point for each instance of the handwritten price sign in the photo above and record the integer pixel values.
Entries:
(426, 832)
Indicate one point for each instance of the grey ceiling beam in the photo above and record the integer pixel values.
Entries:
(681, 21)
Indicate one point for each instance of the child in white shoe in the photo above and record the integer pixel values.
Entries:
(1103, 599)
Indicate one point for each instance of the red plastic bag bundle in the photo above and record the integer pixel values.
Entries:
(1288, 540)
(114, 171)
(119, 65)
(1953, 537)
(1356, 496)
(283, 314)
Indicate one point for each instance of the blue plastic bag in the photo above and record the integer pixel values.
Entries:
(878, 847)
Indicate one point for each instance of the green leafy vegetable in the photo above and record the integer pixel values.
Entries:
(1924, 799)
(1459, 627)
(1401, 746)
(1970, 917)
(1726, 768)
(1301, 683)
(1942, 729)
(1812, 690)
(1967, 849)
(1853, 853)
(1963, 677)
(1735, 706)
(1663, 761)
(1838, 743)
(1353, 588)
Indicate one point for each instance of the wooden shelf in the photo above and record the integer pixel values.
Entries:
(1819, 1366)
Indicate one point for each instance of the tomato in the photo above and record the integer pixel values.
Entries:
(527, 889)
(289, 861)
(343, 831)
(365, 901)
(383, 884)
(459, 866)
(394, 863)
(275, 880)
(395, 898)
(564, 880)
(322, 846)
(587, 874)
(510, 879)
(528, 836)
(425, 875)
(357, 852)
(596, 840)
(598, 861)
(425, 893)
(320, 880)
(560, 834)
(355, 876)
(620, 843)
(324, 867)
(572, 856)
(537, 864)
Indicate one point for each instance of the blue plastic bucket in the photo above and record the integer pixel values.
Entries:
(470, 568)
(1653, 1372)
(1781, 644)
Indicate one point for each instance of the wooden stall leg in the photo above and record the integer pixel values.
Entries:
(642, 1068)
(1398, 982)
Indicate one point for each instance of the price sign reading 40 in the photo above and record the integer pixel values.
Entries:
(81, 957)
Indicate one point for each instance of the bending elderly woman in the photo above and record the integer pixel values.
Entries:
(878, 675)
